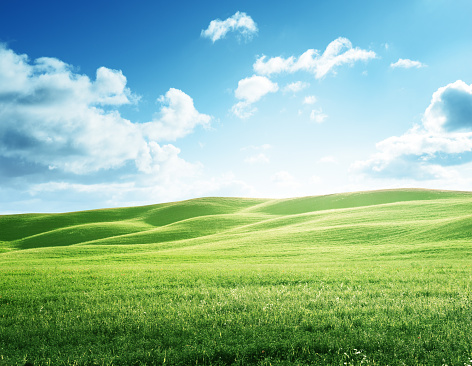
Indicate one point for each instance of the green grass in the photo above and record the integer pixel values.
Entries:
(367, 278)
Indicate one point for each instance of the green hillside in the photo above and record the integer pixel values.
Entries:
(365, 278)
(378, 215)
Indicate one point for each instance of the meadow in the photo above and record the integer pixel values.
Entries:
(366, 278)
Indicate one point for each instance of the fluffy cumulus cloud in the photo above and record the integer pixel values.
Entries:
(177, 118)
(240, 22)
(406, 64)
(58, 123)
(429, 151)
(249, 91)
(450, 109)
(338, 52)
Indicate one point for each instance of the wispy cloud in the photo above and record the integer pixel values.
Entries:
(338, 52)
(407, 64)
(318, 116)
(240, 22)
(296, 86)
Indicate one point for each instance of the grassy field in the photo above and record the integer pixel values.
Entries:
(368, 278)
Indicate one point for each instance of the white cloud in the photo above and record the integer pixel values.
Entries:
(14, 72)
(406, 64)
(337, 53)
(253, 88)
(274, 65)
(259, 158)
(426, 152)
(318, 116)
(64, 144)
(295, 87)
(450, 108)
(243, 110)
(52, 118)
(177, 118)
(240, 22)
(110, 87)
(249, 91)
(309, 99)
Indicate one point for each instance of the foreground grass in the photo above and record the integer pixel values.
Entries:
(388, 284)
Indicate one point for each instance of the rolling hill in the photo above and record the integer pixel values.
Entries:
(364, 278)
(347, 218)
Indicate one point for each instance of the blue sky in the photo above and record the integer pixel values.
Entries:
(118, 103)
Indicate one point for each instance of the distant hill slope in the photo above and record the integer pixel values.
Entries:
(361, 217)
